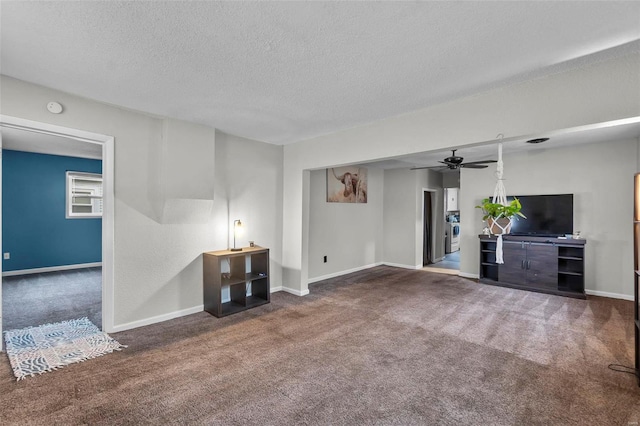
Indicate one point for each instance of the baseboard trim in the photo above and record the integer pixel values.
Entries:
(610, 295)
(440, 259)
(51, 269)
(340, 273)
(296, 292)
(275, 289)
(468, 275)
(400, 265)
(157, 319)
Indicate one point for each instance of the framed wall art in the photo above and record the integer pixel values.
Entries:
(347, 185)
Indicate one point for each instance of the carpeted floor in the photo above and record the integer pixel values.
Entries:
(381, 346)
(36, 299)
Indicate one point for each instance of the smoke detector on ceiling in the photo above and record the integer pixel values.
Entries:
(54, 107)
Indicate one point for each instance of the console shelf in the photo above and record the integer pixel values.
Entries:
(245, 273)
(541, 264)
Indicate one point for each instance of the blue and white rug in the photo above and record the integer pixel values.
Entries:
(36, 350)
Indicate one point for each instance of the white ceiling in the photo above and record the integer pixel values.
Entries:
(281, 72)
(24, 140)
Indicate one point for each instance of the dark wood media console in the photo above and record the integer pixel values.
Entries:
(542, 264)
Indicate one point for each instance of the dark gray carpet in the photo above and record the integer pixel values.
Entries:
(382, 346)
(35, 299)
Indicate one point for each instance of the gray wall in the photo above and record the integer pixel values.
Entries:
(451, 179)
(350, 235)
(403, 232)
(601, 178)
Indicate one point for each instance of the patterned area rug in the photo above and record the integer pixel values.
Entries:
(36, 350)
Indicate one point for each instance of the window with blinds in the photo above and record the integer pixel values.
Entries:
(84, 195)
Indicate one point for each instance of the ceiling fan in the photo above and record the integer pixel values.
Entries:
(454, 163)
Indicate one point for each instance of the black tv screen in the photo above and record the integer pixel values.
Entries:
(547, 215)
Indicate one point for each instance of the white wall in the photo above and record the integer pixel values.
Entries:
(248, 185)
(596, 93)
(601, 178)
(162, 228)
(349, 234)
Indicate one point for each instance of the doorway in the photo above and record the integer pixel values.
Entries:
(81, 140)
(428, 231)
(443, 222)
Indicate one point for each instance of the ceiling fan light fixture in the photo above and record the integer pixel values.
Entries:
(538, 140)
(455, 163)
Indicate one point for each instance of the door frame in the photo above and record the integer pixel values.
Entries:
(108, 234)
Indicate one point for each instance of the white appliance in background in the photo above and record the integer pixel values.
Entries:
(452, 237)
(451, 199)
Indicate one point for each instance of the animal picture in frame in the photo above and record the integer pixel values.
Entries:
(347, 185)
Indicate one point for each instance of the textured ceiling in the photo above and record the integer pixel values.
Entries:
(281, 72)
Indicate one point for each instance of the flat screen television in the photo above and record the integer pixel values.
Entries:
(547, 215)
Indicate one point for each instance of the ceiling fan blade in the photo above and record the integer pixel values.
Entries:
(481, 162)
(473, 166)
(429, 167)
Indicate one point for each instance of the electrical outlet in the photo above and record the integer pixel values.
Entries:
(7, 256)
(325, 259)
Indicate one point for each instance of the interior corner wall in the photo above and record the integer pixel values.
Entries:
(601, 178)
(349, 234)
(157, 266)
(248, 186)
(36, 231)
(158, 243)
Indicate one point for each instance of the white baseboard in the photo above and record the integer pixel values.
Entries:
(296, 292)
(468, 275)
(400, 265)
(51, 269)
(275, 289)
(348, 271)
(156, 319)
(607, 294)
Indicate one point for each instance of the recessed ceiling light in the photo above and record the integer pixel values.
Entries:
(539, 140)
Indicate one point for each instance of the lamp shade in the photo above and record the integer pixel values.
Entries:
(237, 230)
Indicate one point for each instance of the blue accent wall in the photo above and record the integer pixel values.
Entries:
(34, 228)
